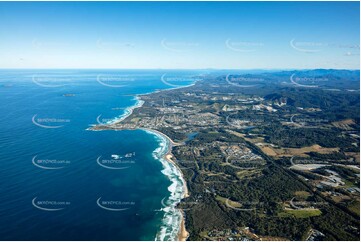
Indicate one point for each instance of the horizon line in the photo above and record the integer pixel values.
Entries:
(216, 69)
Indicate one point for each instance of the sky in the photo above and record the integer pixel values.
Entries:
(180, 35)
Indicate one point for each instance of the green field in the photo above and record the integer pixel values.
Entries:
(354, 206)
(230, 202)
(302, 194)
(301, 213)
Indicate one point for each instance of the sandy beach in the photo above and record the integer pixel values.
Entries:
(168, 157)
(183, 233)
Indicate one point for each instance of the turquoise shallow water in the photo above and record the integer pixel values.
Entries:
(60, 181)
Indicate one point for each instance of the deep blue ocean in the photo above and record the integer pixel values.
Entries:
(60, 181)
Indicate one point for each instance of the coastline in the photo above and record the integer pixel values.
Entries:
(128, 111)
(182, 233)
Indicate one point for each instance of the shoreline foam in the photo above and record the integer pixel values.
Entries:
(139, 103)
(171, 229)
(127, 112)
(178, 232)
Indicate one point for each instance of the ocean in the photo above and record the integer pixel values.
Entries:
(61, 181)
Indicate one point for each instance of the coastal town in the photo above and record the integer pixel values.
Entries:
(187, 120)
(222, 143)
